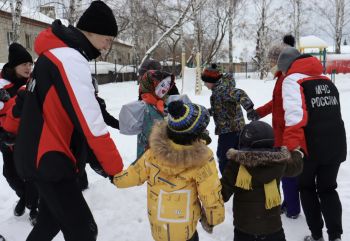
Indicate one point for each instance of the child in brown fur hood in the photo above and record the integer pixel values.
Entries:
(253, 174)
(181, 175)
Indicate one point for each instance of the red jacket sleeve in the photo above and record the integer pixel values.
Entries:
(265, 109)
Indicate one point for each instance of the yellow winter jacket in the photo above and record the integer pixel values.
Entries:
(180, 180)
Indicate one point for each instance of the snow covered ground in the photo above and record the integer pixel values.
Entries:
(121, 213)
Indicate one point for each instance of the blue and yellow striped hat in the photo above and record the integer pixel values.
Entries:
(187, 118)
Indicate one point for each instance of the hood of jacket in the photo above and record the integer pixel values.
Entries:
(306, 64)
(173, 158)
(259, 157)
(58, 36)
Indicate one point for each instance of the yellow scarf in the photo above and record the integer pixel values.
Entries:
(272, 195)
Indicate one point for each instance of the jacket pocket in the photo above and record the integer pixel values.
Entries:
(174, 207)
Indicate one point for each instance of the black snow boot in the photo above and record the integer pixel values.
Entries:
(33, 216)
(20, 207)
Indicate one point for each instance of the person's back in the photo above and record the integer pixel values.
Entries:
(314, 122)
(226, 105)
(253, 174)
(225, 102)
(181, 173)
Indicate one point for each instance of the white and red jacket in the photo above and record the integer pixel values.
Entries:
(312, 113)
(61, 115)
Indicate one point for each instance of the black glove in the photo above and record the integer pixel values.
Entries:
(101, 102)
(111, 178)
(17, 108)
(297, 154)
(7, 138)
(252, 115)
(210, 111)
(4, 95)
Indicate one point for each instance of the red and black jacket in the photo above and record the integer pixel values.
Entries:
(61, 116)
(10, 83)
(312, 115)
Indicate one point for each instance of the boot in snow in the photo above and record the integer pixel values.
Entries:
(20, 207)
(310, 238)
(33, 216)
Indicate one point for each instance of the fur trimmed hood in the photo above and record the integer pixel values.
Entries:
(258, 157)
(174, 158)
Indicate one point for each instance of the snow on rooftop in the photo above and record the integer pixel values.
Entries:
(312, 41)
(28, 13)
(106, 67)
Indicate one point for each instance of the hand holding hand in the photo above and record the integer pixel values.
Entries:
(252, 115)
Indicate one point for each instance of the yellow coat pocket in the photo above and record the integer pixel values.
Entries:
(174, 207)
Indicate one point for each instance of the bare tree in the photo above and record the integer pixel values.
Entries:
(262, 7)
(234, 6)
(2, 4)
(214, 30)
(74, 9)
(16, 19)
(337, 16)
(168, 32)
(339, 23)
(296, 15)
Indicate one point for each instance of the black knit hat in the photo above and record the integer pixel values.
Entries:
(99, 19)
(256, 134)
(187, 118)
(18, 55)
(149, 64)
(211, 74)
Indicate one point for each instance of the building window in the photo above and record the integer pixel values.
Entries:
(9, 38)
(28, 41)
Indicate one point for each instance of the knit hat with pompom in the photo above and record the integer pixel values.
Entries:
(211, 74)
(187, 118)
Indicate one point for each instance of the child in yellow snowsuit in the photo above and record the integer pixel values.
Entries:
(181, 175)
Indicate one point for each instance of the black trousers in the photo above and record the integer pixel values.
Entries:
(242, 236)
(9, 172)
(23, 189)
(319, 198)
(83, 180)
(63, 208)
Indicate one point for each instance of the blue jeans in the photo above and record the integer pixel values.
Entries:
(291, 195)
